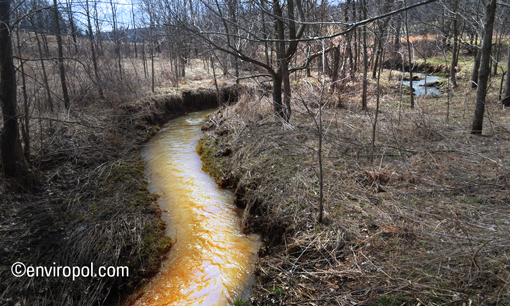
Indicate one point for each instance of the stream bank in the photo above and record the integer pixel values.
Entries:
(387, 225)
(91, 203)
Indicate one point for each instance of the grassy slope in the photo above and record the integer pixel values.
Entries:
(426, 223)
(91, 204)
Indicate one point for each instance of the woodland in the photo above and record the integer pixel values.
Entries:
(364, 191)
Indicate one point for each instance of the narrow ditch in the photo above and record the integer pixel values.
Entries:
(211, 261)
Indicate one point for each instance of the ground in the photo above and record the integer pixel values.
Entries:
(423, 222)
(90, 204)
(420, 219)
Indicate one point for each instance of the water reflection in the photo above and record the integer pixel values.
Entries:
(420, 87)
(211, 262)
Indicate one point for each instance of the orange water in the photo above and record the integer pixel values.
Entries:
(211, 261)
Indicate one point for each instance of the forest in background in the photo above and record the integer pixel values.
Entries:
(65, 54)
(72, 73)
(62, 56)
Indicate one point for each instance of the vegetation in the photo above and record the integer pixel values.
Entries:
(424, 223)
(414, 206)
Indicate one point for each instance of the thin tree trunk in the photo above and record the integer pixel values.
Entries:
(45, 43)
(99, 41)
(93, 52)
(25, 126)
(484, 69)
(283, 71)
(453, 66)
(476, 69)
(365, 59)
(135, 30)
(144, 59)
(319, 153)
(348, 42)
(496, 60)
(501, 85)
(410, 60)
(286, 92)
(152, 60)
(455, 58)
(277, 94)
(60, 57)
(12, 154)
(71, 23)
(45, 76)
(116, 33)
(374, 128)
(377, 55)
(506, 96)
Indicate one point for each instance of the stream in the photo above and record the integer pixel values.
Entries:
(420, 87)
(211, 262)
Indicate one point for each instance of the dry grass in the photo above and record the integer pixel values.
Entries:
(91, 204)
(426, 223)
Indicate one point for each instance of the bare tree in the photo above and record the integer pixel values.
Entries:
(60, 56)
(506, 96)
(92, 49)
(485, 69)
(290, 22)
(43, 66)
(12, 154)
(115, 29)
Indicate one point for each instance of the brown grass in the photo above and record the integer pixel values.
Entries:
(426, 223)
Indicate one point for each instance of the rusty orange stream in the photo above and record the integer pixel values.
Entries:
(211, 261)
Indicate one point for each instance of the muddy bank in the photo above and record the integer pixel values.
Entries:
(91, 204)
(417, 67)
(158, 109)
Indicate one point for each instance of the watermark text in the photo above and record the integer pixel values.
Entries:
(19, 269)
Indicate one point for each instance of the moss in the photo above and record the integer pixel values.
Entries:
(211, 164)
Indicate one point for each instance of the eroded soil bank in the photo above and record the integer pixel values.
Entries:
(91, 203)
(425, 223)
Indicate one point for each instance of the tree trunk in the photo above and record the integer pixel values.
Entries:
(453, 67)
(476, 69)
(144, 59)
(377, 55)
(283, 68)
(25, 124)
(506, 96)
(93, 52)
(12, 154)
(43, 67)
(152, 60)
(356, 52)
(496, 60)
(336, 66)
(71, 23)
(277, 94)
(135, 30)
(286, 92)
(60, 56)
(410, 60)
(365, 59)
(117, 40)
(348, 42)
(484, 69)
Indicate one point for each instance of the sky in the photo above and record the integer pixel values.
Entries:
(124, 15)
